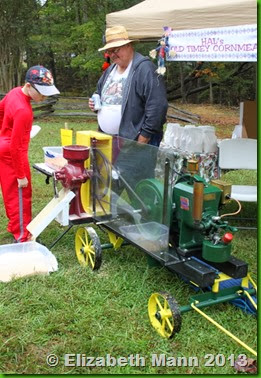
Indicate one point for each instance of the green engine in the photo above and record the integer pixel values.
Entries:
(196, 224)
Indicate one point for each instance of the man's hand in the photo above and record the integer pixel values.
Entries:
(22, 183)
(142, 139)
(91, 105)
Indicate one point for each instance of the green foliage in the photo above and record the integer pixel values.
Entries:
(236, 82)
(85, 39)
(64, 35)
(15, 23)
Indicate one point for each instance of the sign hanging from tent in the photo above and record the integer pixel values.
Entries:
(226, 44)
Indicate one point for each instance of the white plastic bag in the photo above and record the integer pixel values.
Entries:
(170, 134)
(237, 132)
(209, 139)
(25, 259)
(178, 130)
(192, 140)
(184, 136)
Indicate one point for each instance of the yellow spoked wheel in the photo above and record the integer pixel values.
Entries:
(164, 314)
(88, 248)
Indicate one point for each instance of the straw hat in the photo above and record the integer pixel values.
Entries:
(116, 36)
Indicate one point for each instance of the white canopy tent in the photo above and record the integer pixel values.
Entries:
(202, 30)
(145, 21)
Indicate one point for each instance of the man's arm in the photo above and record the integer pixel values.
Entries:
(19, 143)
(156, 104)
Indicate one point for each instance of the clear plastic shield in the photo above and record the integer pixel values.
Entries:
(131, 193)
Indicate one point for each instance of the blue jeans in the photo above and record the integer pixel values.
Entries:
(156, 139)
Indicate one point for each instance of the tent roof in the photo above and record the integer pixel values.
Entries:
(146, 20)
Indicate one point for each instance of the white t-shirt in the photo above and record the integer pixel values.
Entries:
(109, 116)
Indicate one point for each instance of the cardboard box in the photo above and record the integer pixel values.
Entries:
(53, 157)
(248, 119)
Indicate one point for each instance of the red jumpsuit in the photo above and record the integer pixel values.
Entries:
(16, 118)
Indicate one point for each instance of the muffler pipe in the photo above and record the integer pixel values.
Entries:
(198, 198)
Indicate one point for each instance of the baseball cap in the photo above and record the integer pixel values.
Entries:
(42, 79)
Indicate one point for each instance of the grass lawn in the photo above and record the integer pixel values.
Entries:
(96, 314)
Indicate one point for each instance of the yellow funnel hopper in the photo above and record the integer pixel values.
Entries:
(66, 135)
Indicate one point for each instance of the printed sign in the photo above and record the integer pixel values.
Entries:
(184, 203)
(232, 44)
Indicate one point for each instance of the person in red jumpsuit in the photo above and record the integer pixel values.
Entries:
(16, 118)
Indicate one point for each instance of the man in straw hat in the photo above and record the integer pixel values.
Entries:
(133, 96)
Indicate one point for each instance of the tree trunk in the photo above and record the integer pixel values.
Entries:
(210, 91)
(182, 88)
